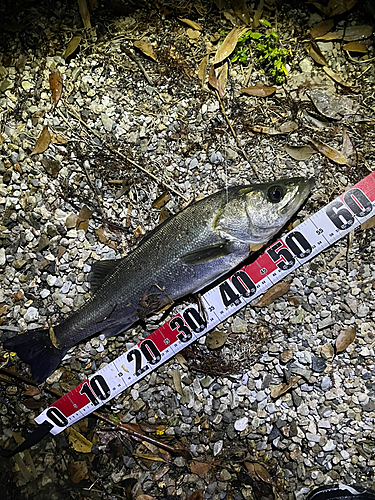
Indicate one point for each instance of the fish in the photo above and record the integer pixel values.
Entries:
(181, 256)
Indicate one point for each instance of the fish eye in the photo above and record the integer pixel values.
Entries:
(275, 194)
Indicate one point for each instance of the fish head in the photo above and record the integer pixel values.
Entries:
(270, 205)
(255, 213)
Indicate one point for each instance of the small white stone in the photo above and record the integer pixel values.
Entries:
(241, 424)
(44, 293)
(31, 314)
(2, 256)
(218, 446)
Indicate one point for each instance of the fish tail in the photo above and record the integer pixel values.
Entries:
(36, 349)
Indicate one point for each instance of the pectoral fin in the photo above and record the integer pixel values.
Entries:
(207, 254)
(100, 271)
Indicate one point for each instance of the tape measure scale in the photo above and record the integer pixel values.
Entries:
(282, 257)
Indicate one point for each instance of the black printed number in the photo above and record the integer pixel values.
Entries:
(340, 215)
(57, 417)
(275, 252)
(358, 202)
(184, 333)
(149, 351)
(96, 390)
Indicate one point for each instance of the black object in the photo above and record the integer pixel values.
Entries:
(33, 438)
(341, 492)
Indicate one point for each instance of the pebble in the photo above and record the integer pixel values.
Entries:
(241, 424)
(239, 325)
(32, 314)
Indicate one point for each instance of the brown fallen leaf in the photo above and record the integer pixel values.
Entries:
(58, 139)
(164, 215)
(273, 293)
(161, 200)
(222, 75)
(190, 23)
(72, 46)
(85, 14)
(258, 14)
(350, 34)
(33, 404)
(321, 28)
(348, 149)
(144, 497)
(241, 10)
(313, 50)
(176, 375)
(227, 47)
(368, 224)
(196, 495)
(146, 48)
(200, 468)
(103, 238)
(331, 153)
(202, 69)
(355, 47)
(52, 167)
(344, 339)
(216, 339)
(179, 357)
(78, 471)
(56, 85)
(278, 390)
(31, 391)
(214, 82)
(335, 7)
(259, 90)
(257, 471)
(337, 78)
(327, 351)
(43, 141)
(299, 153)
(83, 218)
(148, 456)
(79, 443)
(283, 129)
(193, 34)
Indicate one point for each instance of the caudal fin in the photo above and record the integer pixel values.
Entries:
(36, 349)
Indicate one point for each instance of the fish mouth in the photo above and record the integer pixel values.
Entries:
(297, 196)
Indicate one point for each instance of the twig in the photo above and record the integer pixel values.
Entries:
(138, 62)
(139, 436)
(144, 170)
(235, 135)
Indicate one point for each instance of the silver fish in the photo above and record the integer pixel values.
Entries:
(181, 256)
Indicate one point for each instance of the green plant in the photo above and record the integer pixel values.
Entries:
(271, 54)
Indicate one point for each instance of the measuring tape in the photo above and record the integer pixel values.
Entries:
(315, 234)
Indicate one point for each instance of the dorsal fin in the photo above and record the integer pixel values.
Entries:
(100, 270)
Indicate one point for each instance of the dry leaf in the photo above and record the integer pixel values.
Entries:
(72, 46)
(43, 142)
(227, 47)
(79, 442)
(144, 497)
(278, 390)
(222, 76)
(146, 456)
(321, 28)
(193, 34)
(299, 153)
(258, 14)
(85, 14)
(259, 90)
(283, 129)
(337, 78)
(348, 149)
(83, 218)
(202, 69)
(344, 339)
(350, 34)
(214, 82)
(200, 468)
(273, 293)
(146, 48)
(329, 152)
(55, 84)
(179, 357)
(257, 471)
(240, 9)
(58, 139)
(33, 404)
(190, 23)
(52, 167)
(216, 339)
(196, 495)
(176, 375)
(355, 47)
(31, 391)
(314, 52)
(78, 471)
(337, 7)
(161, 200)
(164, 215)
(368, 224)
(103, 238)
